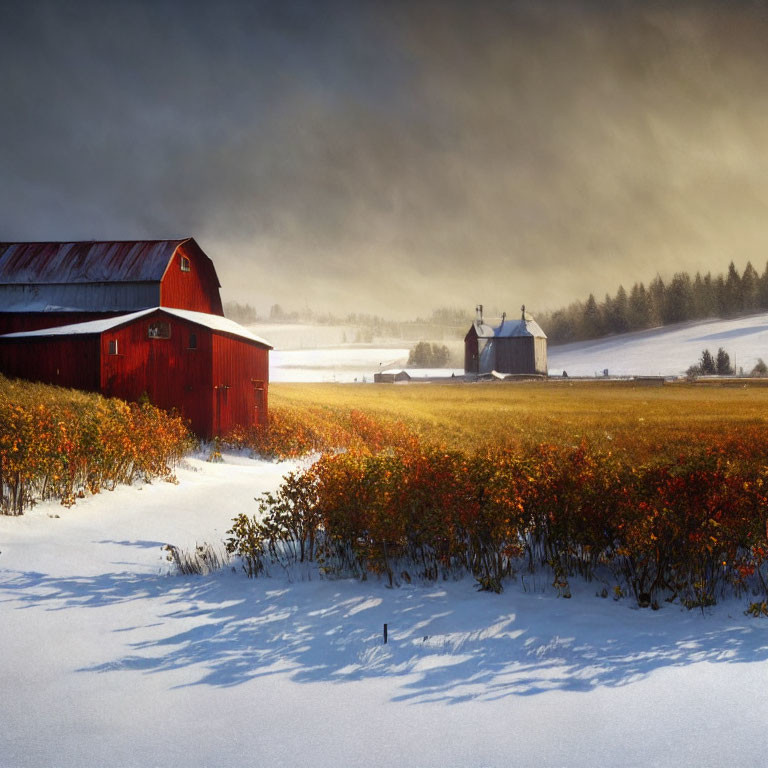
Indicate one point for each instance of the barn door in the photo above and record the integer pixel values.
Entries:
(259, 402)
(222, 420)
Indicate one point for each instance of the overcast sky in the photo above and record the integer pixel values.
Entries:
(394, 157)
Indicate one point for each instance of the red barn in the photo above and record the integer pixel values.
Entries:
(48, 284)
(183, 354)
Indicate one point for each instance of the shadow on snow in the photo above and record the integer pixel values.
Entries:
(446, 642)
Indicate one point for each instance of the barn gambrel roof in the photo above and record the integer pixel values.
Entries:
(522, 327)
(128, 261)
(91, 276)
(526, 326)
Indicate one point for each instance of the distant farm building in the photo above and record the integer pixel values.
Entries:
(391, 377)
(404, 375)
(513, 347)
(128, 319)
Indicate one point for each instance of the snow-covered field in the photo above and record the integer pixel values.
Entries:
(107, 660)
(658, 352)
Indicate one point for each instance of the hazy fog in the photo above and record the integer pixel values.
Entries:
(394, 157)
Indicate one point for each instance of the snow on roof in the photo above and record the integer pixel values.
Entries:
(78, 329)
(510, 329)
(523, 327)
(216, 323)
(482, 330)
(213, 322)
(87, 262)
(427, 373)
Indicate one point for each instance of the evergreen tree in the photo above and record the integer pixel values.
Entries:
(707, 364)
(723, 363)
(656, 293)
(620, 311)
(678, 299)
(709, 297)
(762, 289)
(732, 292)
(639, 311)
(720, 296)
(750, 284)
(697, 307)
(703, 301)
(606, 315)
(591, 322)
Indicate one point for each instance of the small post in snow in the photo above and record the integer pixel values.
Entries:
(385, 634)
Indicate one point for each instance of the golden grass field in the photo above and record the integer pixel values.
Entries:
(616, 415)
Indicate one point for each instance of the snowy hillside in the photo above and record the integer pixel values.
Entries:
(107, 660)
(665, 351)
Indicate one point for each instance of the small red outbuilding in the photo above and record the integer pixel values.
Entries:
(210, 369)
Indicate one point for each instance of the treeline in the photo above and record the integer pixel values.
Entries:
(683, 298)
(246, 314)
(448, 317)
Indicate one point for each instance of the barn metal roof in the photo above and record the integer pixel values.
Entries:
(87, 262)
(213, 322)
(483, 330)
(507, 330)
(78, 297)
(522, 327)
(216, 323)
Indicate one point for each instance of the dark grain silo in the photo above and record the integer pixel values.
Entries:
(516, 347)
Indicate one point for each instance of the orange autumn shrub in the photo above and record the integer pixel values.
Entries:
(292, 432)
(687, 529)
(59, 444)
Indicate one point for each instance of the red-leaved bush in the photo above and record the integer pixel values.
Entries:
(686, 529)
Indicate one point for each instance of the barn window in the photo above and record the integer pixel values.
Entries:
(185, 266)
(159, 330)
(113, 347)
(192, 341)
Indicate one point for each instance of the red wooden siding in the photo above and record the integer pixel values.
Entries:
(240, 381)
(69, 362)
(219, 382)
(197, 289)
(216, 385)
(171, 374)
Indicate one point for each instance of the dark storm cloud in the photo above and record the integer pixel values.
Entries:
(394, 156)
